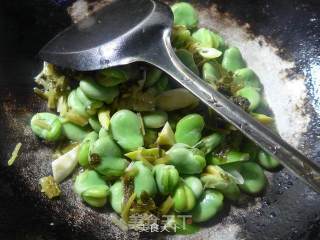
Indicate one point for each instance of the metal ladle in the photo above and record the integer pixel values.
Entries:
(139, 31)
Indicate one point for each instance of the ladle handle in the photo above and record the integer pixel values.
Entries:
(305, 169)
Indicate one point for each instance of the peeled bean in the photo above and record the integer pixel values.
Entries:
(232, 60)
(267, 161)
(186, 159)
(195, 185)
(189, 128)
(253, 96)
(117, 196)
(111, 162)
(204, 37)
(153, 76)
(110, 77)
(176, 99)
(74, 132)
(83, 153)
(167, 178)
(245, 77)
(207, 144)
(125, 128)
(215, 177)
(211, 72)
(210, 203)
(98, 92)
(144, 181)
(92, 188)
(46, 126)
(90, 104)
(155, 119)
(183, 198)
(254, 179)
(75, 104)
(187, 59)
(185, 14)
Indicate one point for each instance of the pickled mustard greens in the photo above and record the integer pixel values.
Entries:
(145, 145)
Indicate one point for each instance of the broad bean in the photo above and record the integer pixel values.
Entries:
(183, 198)
(253, 96)
(144, 180)
(195, 185)
(126, 130)
(92, 188)
(187, 59)
(167, 178)
(74, 132)
(232, 60)
(75, 104)
(95, 124)
(46, 126)
(185, 14)
(90, 104)
(210, 203)
(108, 157)
(187, 160)
(117, 196)
(83, 152)
(245, 77)
(155, 119)
(267, 161)
(98, 92)
(254, 178)
(111, 77)
(189, 128)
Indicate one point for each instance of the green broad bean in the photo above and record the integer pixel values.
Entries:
(253, 96)
(176, 99)
(245, 77)
(110, 162)
(254, 179)
(221, 43)
(74, 132)
(46, 126)
(126, 130)
(267, 161)
(187, 160)
(111, 77)
(155, 119)
(150, 137)
(187, 59)
(95, 124)
(211, 72)
(185, 14)
(183, 198)
(210, 203)
(90, 104)
(162, 84)
(228, 157)
(167, 178)
(195, 185)
(92, 188)
(75, 104)
(216, 178)
(166, 136)
(204, 37)
(117, 196)
(207, 144)
(83, 152)
(95, 91)
(189, 128)
(144, 180)
(153, 76)
(232, 60)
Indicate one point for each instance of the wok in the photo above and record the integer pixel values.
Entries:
(279, 39)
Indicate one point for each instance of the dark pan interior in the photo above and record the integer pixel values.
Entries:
(288, 210)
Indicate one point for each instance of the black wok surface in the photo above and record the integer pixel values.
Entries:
(288, 210)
